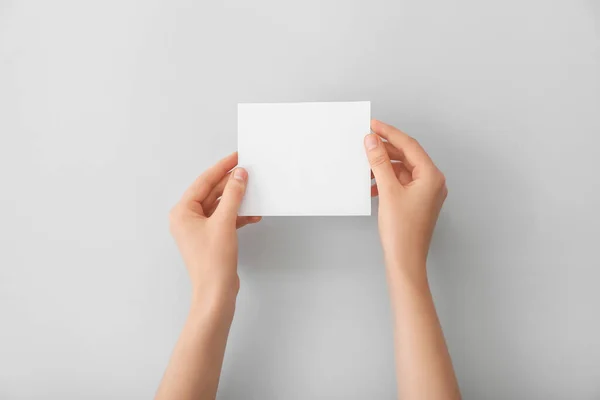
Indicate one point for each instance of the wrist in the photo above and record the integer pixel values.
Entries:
(406, 271)
(221, 287)
(407, 286)
(214, 301)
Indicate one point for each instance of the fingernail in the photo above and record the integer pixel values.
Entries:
(240, 174)
(371, 141)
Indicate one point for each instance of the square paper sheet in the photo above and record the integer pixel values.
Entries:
(305, 158)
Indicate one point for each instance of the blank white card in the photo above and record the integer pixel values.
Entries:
(305, 158)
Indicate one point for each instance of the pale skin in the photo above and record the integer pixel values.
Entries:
(411, 192)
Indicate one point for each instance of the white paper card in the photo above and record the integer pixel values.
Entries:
(305, 158)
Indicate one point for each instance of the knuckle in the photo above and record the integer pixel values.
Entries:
(441, 178)
(236, 187)
(378, 159)
(437, 179)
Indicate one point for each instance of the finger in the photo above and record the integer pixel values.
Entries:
(243, 221)
(380, 162)
(216, 192)
(394, 153)
(232, 195)
(205, 182)
(402, 173)
(412, 151)
(374, 191)
(211, 208)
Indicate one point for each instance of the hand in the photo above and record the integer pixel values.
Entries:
(411, 193)
(204, 225)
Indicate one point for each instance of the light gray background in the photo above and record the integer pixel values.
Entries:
(108, 110)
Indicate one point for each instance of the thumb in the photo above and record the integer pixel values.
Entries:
(380, 162)
(232, 195)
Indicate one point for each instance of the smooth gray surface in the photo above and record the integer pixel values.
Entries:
(109, 109)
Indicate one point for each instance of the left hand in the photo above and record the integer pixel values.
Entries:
(204, 224)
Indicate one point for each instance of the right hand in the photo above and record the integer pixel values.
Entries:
(411, 193)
